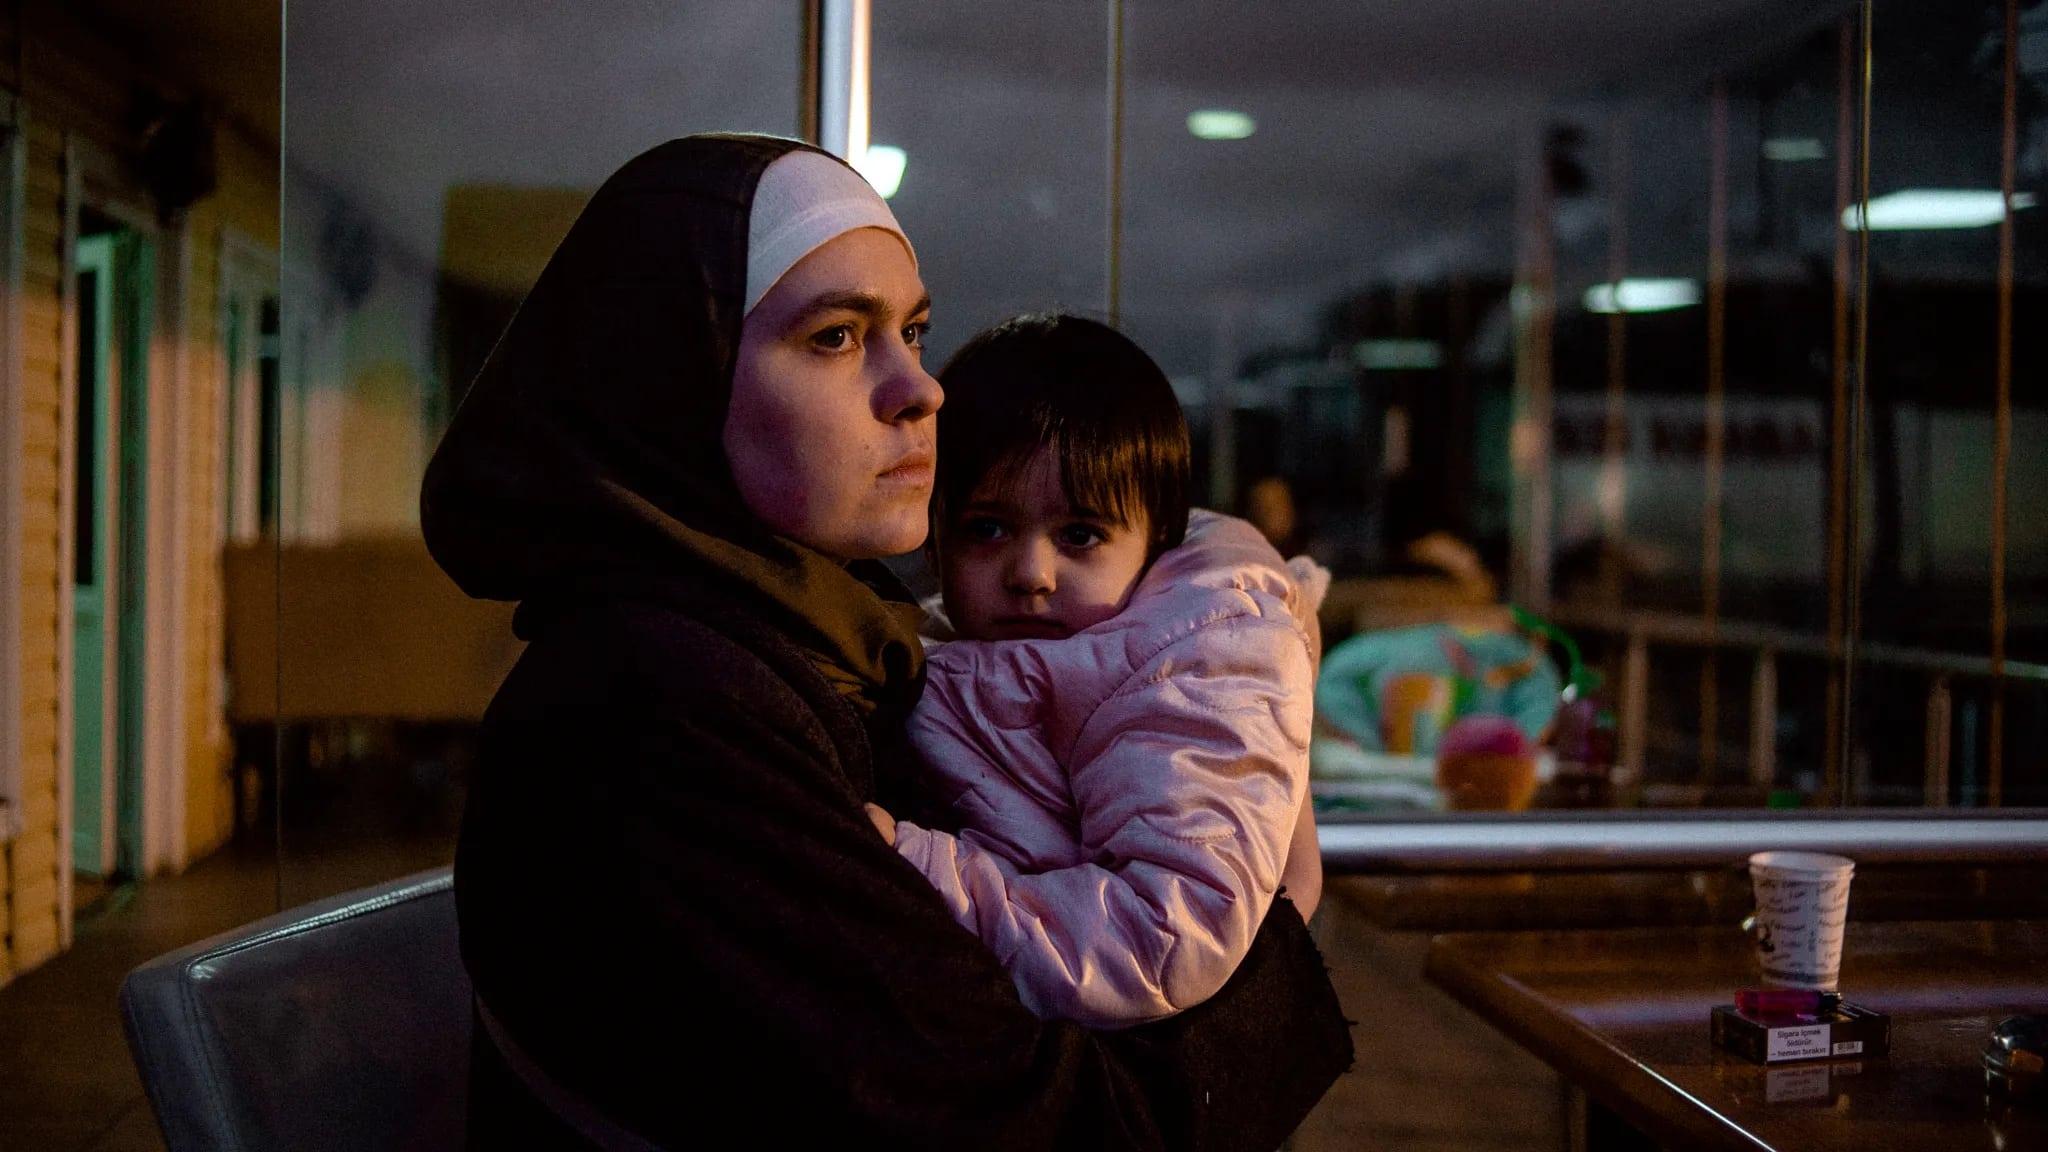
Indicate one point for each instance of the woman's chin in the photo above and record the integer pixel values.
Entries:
(879, 541)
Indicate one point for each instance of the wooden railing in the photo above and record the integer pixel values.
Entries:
(1765, 645)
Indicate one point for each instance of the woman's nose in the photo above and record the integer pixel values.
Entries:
(1029, 571)
(909, 394)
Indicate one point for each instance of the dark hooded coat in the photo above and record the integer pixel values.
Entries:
(671, 902)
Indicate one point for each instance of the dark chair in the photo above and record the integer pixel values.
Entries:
(342, 1024)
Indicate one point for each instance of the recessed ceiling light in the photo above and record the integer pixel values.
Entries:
(883, 166)
(1793, 149)
(1921, 209)
(1649, 295)
(1220, 124)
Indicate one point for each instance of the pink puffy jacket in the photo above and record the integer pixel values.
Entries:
(1127, 795)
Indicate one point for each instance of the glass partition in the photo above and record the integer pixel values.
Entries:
(433, 159)
(1950, 703)
(1677, 368)
(1002, 124)
(1578, 314)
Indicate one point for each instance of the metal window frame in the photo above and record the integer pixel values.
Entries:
(1602, 840)
(835, 95)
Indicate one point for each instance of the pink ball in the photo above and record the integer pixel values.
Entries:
(1485, 763)
(1483, 736)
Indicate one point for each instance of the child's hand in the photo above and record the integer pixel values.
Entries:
(884, 823)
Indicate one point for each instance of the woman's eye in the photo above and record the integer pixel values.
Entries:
(835, 338)
(1081, 536)
(916, 334)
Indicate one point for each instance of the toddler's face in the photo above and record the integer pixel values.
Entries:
(1020, 562)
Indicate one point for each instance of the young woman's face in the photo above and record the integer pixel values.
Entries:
(1020, 562)
(831, 435)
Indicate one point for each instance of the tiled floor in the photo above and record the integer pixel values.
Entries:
(1430, 1076)
(66, 1081)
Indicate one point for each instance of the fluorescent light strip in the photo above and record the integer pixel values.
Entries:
(1648, 295)
(1794, 149)
(1220, 124)
(1932, 209)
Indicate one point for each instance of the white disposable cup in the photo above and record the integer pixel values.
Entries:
(1802, 907)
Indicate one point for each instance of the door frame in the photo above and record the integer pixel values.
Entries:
(106, 426)
(96, 177)
(247, 271)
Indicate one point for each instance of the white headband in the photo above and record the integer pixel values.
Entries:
(802, 201)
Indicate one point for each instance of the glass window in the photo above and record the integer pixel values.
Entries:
(433, 161)
(1606, 345)
(1623, 379)
(1004, 124)
(1951, 697)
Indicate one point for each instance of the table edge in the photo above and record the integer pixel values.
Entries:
(1577, 1053)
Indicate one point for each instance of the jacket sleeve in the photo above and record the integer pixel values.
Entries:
(762, 898)
(1188, 782)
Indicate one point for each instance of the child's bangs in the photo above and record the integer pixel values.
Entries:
(1096, 474)
(1100, 476)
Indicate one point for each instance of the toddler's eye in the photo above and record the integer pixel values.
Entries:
(982, 528)
(1081, 536)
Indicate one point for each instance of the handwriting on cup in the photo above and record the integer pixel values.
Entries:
(1800, 921)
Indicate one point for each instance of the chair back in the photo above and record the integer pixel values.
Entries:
(342, 1024)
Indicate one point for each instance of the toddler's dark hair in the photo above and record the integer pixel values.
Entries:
(1082, 389)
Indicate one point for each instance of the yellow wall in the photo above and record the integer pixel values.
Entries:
(73, 84)
(33, 918)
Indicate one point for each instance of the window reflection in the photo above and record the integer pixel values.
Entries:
(1002, 121)
(1607, 330)
(433, 160)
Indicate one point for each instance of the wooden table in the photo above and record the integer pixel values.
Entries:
(1623, 1015)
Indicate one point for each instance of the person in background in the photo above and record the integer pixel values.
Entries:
(1269, 505)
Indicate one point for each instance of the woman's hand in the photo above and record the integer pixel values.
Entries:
(884, 823)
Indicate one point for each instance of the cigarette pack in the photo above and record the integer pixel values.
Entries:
(1845, 1032)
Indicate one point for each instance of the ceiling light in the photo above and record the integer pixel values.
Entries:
(1391, 355)
(1643, 296)
(883, 166)
(1793, 149)
(1220, 124)
(1917, 209)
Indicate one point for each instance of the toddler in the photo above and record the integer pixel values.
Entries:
(1118, 734)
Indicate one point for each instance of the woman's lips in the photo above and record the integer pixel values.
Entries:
(915, 468)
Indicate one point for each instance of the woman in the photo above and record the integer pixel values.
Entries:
(706, 422)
